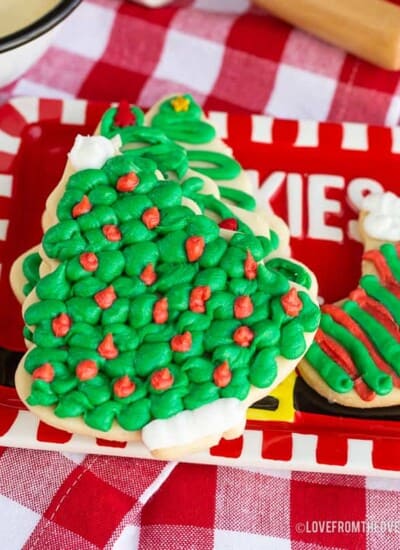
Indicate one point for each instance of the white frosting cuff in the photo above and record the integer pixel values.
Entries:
(383, 218)
(93, 151)
(187, 426)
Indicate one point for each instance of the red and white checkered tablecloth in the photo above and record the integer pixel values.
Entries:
(233, 58)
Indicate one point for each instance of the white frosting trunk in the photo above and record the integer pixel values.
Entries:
(187, 426)
(383, 216)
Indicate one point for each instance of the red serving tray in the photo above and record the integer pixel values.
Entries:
(312, 174)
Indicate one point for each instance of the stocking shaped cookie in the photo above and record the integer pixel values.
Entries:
(150, 321)
(355, 359)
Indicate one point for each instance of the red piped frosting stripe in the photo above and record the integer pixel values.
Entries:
(377, 310)
(384, 271)
(336, 352)
(347, 322)
(341, 356)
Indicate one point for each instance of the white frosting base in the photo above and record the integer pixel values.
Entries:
(383, 218)
(187, 426)
(93, 151)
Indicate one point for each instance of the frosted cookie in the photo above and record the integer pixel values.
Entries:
(124, 126)
(24, 273)
(355, 359)
(147, 322)
(177, 122)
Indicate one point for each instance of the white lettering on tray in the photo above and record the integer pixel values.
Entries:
(311, 192)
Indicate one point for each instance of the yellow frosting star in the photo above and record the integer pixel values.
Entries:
(180, 103)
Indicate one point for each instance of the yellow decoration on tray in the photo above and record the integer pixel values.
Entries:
(285, 411)
(180, 104)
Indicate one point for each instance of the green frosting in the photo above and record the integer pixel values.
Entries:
(374, 289)
(380, 382)
(215, 165)
(184, 126)
(330, 371)
(292, 270)
(30, 269)
(365, 313)
(116, 299)
(381, 338)
(187, 127)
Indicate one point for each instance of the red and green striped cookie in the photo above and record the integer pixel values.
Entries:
(355, 357)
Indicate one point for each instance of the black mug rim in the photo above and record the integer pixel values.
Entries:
(38, 27)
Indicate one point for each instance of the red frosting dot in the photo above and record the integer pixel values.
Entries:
(105, 298)
(148, 275)
(86, 370)
(222, 375)
(124, 116)
(162, 379)
(124, 386)
(107, 348)
(89, 261)
(291, 303)
(151, 217)
(198, 298)
(160, 311)
(44, 372)
(111, 232)
(250, 266)
(243, 307)
(82, 207)
(181, 342)
(127, 183)
(229, 223)
(243, 336)
(61, 325)
(194, 248)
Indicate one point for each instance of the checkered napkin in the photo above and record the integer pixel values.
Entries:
(229, 56)
(234, 58)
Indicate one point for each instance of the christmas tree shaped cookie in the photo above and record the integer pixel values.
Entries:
(228, 205)
(124, 123)
(355, 359)
(148, 321)
(184, 122)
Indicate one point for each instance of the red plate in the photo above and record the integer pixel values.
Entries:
(313, 175)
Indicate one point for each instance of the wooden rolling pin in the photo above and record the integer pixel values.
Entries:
(369, 29)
